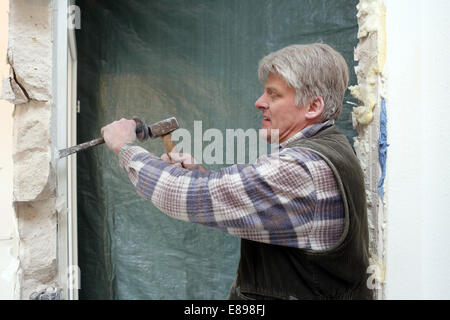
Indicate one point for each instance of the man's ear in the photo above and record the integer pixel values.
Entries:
(315, 109)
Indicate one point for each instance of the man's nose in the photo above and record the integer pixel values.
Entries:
(261, 103)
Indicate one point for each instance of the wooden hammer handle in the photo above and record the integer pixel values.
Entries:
(168, 143)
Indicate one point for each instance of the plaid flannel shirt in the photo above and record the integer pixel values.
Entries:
(288, 198)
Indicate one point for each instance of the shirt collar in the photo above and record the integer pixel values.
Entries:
(307, 132)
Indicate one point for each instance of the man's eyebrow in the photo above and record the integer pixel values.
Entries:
(271, 89)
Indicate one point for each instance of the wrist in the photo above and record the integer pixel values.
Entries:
(125, 147)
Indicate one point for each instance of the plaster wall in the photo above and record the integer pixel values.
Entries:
(8, 235)
(418, 172)
(370, 54)
(28, 86)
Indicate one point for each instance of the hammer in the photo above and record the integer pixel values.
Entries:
(161, 129)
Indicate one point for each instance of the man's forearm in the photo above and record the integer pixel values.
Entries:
(254, 202)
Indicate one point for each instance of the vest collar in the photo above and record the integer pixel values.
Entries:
(307, 132)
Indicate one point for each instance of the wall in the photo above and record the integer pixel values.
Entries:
(418, 175)
(370, 54)
(8, 239)
(29, 88)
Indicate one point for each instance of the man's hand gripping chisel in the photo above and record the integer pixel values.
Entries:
(161, 129)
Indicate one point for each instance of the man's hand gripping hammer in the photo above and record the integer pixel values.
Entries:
(161, 129)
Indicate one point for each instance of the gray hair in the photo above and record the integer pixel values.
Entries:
(313, 70)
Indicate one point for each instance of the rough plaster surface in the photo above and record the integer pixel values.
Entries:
(30, 49)
(33, 177)
(370, 54)
(11, 90)
(37, 233)
(29, 88)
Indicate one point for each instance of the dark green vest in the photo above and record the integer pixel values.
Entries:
(336, 273)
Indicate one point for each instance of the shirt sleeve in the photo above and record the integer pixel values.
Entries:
(270, 201)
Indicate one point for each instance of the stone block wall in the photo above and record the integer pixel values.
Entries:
(29, 88)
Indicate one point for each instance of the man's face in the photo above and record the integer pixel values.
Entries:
(279, 109)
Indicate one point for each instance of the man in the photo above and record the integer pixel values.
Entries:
(300, 212)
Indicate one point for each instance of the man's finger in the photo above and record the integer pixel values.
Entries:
(175, 157)
(170, 158)
(165, 157)
(181, 157)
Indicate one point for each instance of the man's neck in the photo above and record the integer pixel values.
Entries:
(307, 131)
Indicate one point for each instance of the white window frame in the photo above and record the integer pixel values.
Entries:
(65, 112)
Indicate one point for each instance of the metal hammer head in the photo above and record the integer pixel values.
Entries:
(158, 129)
(163, 127)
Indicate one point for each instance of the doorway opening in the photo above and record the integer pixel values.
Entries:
(195, 60)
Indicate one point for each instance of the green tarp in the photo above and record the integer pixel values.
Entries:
(194, 60)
